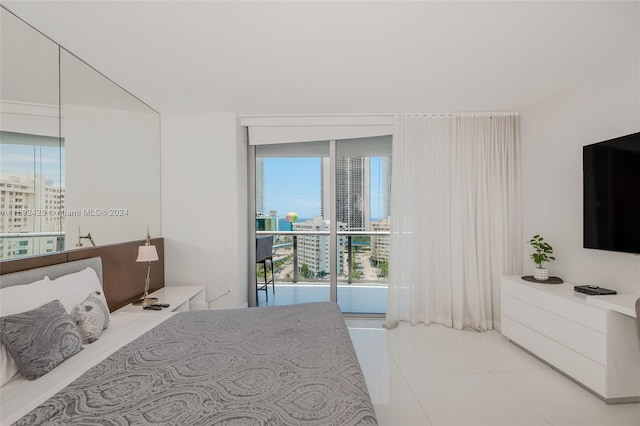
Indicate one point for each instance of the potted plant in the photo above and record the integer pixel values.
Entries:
(543, 252)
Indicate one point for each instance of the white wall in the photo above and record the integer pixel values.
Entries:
(204, 205)
(553, 134)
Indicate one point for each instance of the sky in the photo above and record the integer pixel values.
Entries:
(44, 160)
(293, 185)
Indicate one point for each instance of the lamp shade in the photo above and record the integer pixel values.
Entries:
(147, 254)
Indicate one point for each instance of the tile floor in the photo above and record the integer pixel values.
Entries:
(434, 375)
(352, 298)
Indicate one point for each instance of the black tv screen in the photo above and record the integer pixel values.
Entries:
(611, 176)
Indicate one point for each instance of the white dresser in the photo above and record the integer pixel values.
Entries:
(597, 346)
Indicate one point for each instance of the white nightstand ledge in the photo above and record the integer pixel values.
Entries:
(593, 340)
(179, 298)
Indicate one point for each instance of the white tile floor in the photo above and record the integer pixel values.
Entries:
(352, 298)
(433, 375)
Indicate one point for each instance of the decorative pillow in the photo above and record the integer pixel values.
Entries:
(72, 289)
(90, 317)
(40, 339)
(17, 299)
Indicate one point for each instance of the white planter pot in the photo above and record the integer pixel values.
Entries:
(541, 274)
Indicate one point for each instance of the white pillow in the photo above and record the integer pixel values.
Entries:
(73, 289)
(15, 300)
(22, 298)
(8, 367)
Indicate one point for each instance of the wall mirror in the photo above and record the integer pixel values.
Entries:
(112, 154)
(79, 155)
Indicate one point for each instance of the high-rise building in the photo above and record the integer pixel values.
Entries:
(29, 203)
(260, 185)
(353, 196)
(386, 186)
(380, 243)
(325, 179)
(266, 223)
(313, 250)
(30, 215)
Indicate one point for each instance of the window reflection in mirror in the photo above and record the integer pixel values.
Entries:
(31, 151)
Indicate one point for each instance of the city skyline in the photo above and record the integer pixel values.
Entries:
(294, 184)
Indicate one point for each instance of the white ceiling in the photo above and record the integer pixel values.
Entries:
(344, 57)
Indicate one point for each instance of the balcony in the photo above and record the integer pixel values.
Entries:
(302, 269)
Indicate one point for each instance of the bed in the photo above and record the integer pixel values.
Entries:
(287, 365)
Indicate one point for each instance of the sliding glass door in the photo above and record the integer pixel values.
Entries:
(326, 206)
(289, 207)
(363, 197)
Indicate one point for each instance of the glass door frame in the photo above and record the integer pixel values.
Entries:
(333, 237)
(333, 225)
(334, 234)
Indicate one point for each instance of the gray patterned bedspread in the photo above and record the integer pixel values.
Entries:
(288, 365)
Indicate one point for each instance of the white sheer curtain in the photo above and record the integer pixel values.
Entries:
(456, 219)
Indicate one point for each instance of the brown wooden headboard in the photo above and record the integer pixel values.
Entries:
(123, 277)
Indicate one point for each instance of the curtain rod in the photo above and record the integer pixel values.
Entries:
(378, 114)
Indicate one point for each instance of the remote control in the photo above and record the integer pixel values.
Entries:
(155, 308)
(162, 305)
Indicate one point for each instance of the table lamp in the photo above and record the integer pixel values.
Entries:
(147, 253)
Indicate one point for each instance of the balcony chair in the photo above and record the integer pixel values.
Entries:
(264, 253)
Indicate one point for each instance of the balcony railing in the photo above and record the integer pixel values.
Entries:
(14, 245)
(360, 259)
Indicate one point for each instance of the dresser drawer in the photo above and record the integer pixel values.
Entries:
(584, 340)
(558, 299)
(582, 369)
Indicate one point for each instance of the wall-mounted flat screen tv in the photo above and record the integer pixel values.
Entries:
(611, 172)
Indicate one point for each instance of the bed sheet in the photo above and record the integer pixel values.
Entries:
(19, 396)
(284, 365)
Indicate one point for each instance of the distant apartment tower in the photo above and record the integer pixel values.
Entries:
(266, 223)
(325, 182)
(260, 185)
(32, 193)
(386, 186)
(380, 243)
(353, 196)
(273, 215)
(313, 250)
(29, 207)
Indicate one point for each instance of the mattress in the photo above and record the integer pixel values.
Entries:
(288, 365)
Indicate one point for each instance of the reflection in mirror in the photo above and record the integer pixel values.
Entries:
(32, 181)
(112, 150)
